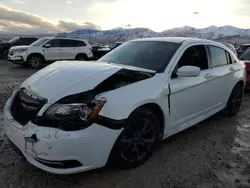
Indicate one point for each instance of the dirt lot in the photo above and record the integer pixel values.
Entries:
(214, 153)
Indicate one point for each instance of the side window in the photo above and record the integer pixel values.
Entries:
(25, 41)
(71, 43)
(229, 59)
(218, 56)
(66, 43)
(31, 40)
(193, 56)
(54, 43)
(80, 43)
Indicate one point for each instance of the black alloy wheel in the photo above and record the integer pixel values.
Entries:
(235, 100)
(35, 61)
(136, 143)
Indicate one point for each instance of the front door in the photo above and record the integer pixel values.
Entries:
(191, 98)
(53, 52)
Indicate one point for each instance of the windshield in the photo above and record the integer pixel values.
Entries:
(153, 55)
(245, 55)
(39, 42)
(243, 48)
(114, 45)
(14, 39)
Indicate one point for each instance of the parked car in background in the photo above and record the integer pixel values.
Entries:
(17, 41)
(50, 49)
(72, 117)
(96, 47)
(231, 47)
(102, 51)
(242, 49)
(245, 57)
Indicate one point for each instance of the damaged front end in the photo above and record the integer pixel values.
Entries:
(50, 140)
(79, 111)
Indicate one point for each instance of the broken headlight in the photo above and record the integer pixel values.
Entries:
(75, 112)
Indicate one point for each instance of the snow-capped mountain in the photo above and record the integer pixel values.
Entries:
(224, 33)
(117, 34)
(211, 32)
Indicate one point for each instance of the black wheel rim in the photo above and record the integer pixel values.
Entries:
(138, 140)
(236, 101)
(81, 58)
(35, 62)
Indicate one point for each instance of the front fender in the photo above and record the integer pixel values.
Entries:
(123, 101)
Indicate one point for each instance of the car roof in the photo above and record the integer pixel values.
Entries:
(71, 39)
(175, 39)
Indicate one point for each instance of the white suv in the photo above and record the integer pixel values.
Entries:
(49, 50)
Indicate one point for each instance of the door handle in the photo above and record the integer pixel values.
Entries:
(208, 75)
(231, 69)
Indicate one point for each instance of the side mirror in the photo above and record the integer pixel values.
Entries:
(189, 71)
(47, 46)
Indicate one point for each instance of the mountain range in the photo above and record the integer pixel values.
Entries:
(230, 34)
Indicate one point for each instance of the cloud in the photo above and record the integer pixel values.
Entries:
(74, 26)
(17, 21)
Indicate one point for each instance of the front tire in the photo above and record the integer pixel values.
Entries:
(35, 61)
(5, 54)
(137, 141)
(234, 101)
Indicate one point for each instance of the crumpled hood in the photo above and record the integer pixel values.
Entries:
(65, 78)
(19, 47)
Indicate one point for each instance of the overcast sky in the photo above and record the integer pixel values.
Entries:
(158, 15)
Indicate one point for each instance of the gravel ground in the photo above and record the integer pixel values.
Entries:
(214, 153)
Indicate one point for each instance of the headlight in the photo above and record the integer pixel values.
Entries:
(75, 112)
(20, 50)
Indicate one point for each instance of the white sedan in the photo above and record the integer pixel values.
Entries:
(76, 116)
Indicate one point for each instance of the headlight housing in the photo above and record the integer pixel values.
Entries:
(21, 50)
(73, 116)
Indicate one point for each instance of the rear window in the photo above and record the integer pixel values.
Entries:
(153, 55)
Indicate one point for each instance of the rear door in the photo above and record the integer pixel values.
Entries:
(223, 68)
(83, 48)
(53, 52)
(68, 48)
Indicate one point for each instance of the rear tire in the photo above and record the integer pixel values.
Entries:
(81, 57)
(138, 139)
(234, 101)
(35, 61)
(5, 54)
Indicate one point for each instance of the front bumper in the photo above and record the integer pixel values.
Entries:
(58, 151)
(16, 59)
